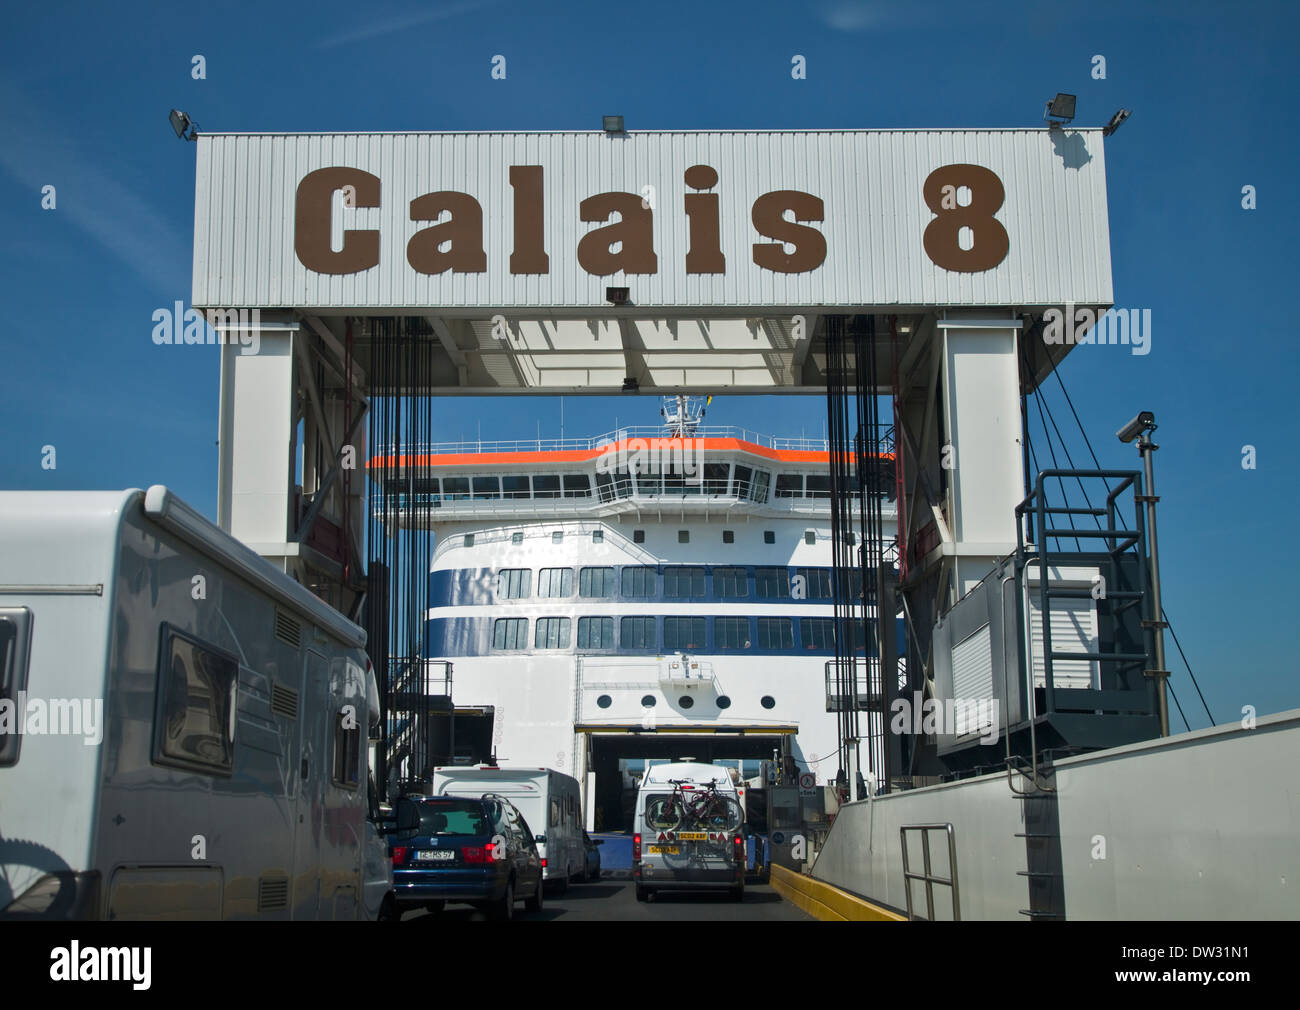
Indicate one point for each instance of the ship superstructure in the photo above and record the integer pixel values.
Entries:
(650, 593)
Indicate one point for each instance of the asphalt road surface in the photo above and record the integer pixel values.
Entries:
(615, 901)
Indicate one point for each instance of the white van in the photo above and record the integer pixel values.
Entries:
(688, 831)
(549, 800)
(209, 759)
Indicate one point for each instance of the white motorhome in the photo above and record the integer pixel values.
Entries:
(688, 831)
(549, 800)
(183, 727)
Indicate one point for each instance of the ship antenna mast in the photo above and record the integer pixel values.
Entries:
(682, 414)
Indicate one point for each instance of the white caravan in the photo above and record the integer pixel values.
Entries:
(549, 800)
(182, 726)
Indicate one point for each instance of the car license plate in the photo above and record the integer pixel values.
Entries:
(665, 850)
(693, 836)
(435, 856)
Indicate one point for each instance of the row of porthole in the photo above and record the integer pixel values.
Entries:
(685, 701)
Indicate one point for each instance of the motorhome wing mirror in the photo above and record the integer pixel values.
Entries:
(539, 839)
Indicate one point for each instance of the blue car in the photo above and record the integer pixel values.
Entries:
(450, 848)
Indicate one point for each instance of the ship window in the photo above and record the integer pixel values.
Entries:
(555, 582)
(819, 486)
(514, 487)
(486, 488)
(762, 478)
(638, 536)
(604, 701)
(637, 632)
(716, 476)
(772, 583)
(510, 633)
(552, 633)
(775, 633)
(516, 538)
(455, 488)
(577, 485)
(816, 583)
(684, 581)
(789, 485)
(817, 634)
(731, 632)
(767, 701)
(648, 701)
(595, 632)
(546, 486)
(469, 539)
(597, 536)
(851, 584)
(809, 537)
(196, 705)
(686, 701)
(769, 537)
(728, 536)
(596, 582)
(514, 583)
(744, 481)
(639, 581)
(730, 582)
(724, 701)
(683, 536)
(684, 633)
(649, 483)
(557, 537)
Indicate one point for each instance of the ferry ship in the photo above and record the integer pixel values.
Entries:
(647, 594)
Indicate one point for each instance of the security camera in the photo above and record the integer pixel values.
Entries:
(1144, 422)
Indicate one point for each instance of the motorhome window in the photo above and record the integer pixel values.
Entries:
(555, 812)
(775, 633)
(455, 488)
(553, 583)
(596, 583)
(683, 633)
(577, 485)
(731, 632)
(595, 632)
(639, 581)
(637, 632)
(772, 583)
(546, 486)
(15, 629)
(789, 485)
(514, 583)
(196, 705)
(684, 581)
(816, 583)
(817, 633)
(552, 633)
(510, 633)
(515, 487)
(818, 486)
(487, 488)
(347, 750)
(730, 583)
(716, 477)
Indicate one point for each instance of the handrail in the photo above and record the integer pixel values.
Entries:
(927, 875)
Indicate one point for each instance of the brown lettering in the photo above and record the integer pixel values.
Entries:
(529, 256)
(990, 240)
(464, 231)
(705, 253)
(768, 215)
(313, 207)
(635, 230)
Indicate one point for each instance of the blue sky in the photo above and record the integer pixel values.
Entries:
(84, 94)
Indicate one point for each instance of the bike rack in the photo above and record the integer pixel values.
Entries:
(927, 875)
